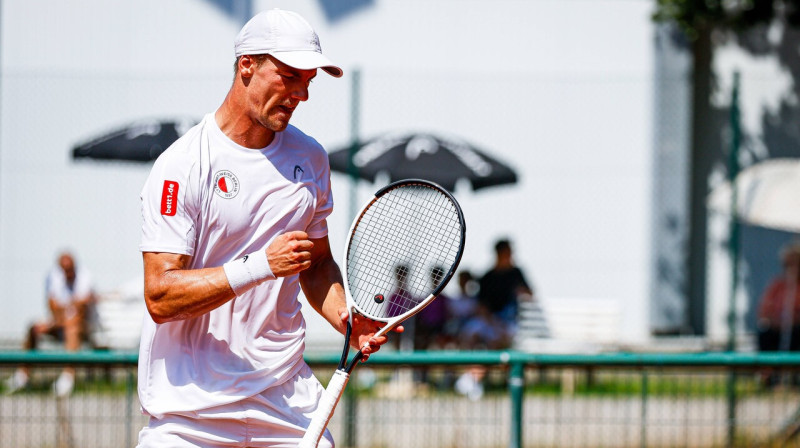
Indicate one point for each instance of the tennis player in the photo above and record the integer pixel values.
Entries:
(234, 227)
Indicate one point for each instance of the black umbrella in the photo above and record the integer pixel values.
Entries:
(141, 141)
(440, 159)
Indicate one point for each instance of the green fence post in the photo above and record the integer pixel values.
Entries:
(733, 243)
(130, 389)
(731, 407)
(733, 237)
(643, 412)
(516, 386)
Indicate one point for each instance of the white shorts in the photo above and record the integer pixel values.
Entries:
(276, 418)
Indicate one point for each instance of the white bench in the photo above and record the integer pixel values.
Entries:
(118, 317)
(569, 325)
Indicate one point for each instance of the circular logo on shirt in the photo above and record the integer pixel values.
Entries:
(226, 185)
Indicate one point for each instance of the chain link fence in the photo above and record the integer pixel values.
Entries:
(429, 399)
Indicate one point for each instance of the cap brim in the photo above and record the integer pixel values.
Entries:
(308, 60)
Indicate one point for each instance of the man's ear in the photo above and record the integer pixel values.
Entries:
(247, 65)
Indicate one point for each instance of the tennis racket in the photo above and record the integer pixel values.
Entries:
(404, 247)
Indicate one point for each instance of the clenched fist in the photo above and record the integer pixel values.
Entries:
(289, 253)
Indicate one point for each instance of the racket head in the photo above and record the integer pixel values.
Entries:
(404, 247)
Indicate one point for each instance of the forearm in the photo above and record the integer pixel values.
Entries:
(322, 285)
(176, 294)
(56, 310)
(83, 301)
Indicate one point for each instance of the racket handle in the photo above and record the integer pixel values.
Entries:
(324, 412)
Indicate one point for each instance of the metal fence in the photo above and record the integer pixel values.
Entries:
(426, 399)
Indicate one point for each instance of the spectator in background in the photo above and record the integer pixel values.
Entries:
(778, 324)
(460, 308)
(430, 322)
(70, 296)
(503, 286)
(779, 309)
(401, 299)
(485, 331)
(428, 328)
(399, 302)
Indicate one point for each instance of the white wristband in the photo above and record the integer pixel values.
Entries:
(247, 272)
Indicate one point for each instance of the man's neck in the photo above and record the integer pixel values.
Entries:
(239, 127)
(503, 266)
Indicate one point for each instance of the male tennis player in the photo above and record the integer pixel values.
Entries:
(234, 226)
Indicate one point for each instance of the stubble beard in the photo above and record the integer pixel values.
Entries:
(274, 123)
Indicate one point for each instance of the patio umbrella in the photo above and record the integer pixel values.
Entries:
(767, 195)
(142, 141)
(441, 159)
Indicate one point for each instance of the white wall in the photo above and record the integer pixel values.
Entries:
(559, 90)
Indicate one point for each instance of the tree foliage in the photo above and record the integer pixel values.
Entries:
(697, 16)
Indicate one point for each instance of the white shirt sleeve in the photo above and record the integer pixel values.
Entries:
(169, 205)
(319, 226)
(55, 284)
(84, 284)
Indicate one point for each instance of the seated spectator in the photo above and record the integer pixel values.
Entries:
(470, 327)
(503, 286)
(779, 309)
(485, 331)
(460, 308)
(400, 301)
(70, 295)
(430, 322)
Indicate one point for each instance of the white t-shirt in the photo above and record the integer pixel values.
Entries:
(64, 294)
(216, 201)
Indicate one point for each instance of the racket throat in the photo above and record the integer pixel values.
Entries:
(346, 350)
(344, 366)
(354, 362)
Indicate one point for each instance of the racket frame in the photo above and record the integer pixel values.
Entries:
(393, 322)
(338, 382)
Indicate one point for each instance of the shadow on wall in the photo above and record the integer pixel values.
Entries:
(778, 136)
(239, 10)
(336, 10)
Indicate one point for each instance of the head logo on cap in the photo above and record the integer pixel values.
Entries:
(286, 36)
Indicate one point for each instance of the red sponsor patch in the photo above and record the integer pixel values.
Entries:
(169, 198)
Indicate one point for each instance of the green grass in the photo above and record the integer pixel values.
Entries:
(656, 384)
(94, 383)
(603, 384)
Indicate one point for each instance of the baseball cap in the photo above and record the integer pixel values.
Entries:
(286, 36)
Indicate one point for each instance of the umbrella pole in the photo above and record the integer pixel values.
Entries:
(733, 171)
(349, 401)
(733, 243)
(352, 169)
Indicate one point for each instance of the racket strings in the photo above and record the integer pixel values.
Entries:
(401, 249)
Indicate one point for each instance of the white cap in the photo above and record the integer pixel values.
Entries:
(287, 37)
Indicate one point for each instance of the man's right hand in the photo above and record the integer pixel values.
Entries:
(289, 253)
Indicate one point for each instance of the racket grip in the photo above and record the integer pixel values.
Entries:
(324, 412)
